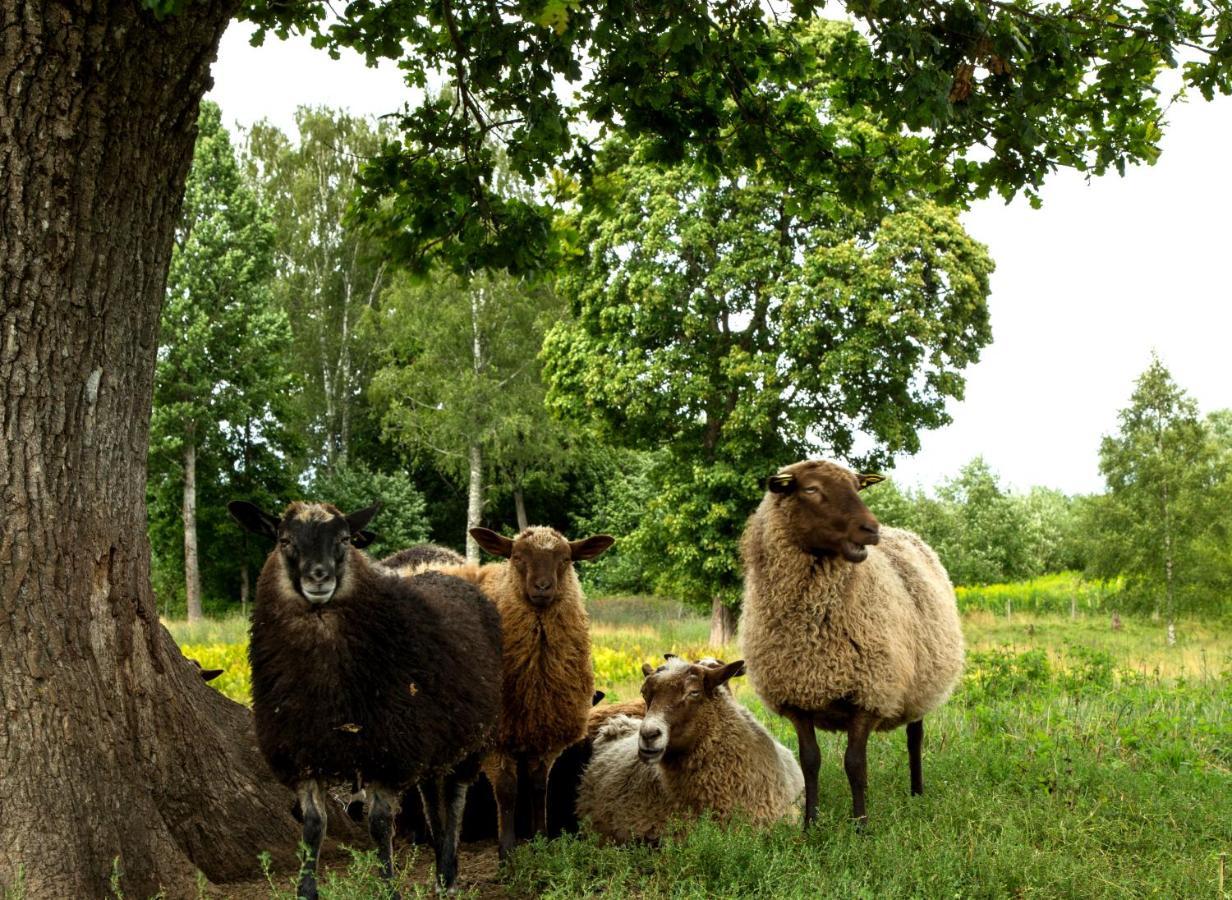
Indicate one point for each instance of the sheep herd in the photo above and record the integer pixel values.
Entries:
(414, 674)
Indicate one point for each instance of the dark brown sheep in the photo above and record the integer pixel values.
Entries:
(358, 673)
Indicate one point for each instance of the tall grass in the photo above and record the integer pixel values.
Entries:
(1056, 593)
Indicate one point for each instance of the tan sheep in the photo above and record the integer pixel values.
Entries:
(696, 750)
(548, 680)
(846, 626)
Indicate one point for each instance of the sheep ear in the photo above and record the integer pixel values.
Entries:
(357, 520)
(717, 677)
(362, 538)
(496, 544)
(596, 697)
(781, 484)
(868, 479)
(210, 674)
(647, 671)
(250, 518)
(590, 547)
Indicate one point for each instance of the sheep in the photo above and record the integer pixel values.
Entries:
(697, 749)
(421, 557)
(846, 626)
(548, 680)
(359, 673)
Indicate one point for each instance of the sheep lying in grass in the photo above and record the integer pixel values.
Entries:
(358, 673)
(697, 749)
(548, 679)
(846, 626)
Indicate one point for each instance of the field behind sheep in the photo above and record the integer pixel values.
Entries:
(1075, 760)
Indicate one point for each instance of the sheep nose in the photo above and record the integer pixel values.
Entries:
(318, 572)
(541, 585)
(871, 533)
(650, 733)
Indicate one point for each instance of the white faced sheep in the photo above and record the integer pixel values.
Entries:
(360, 673)
(697, 749)
(846, 626)
(548, 679)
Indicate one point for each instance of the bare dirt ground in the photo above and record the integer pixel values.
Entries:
(478, 874)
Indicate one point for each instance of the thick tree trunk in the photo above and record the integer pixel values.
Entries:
(474, 505)
(111, 747)
(722, 624)
(519, 504)
(192, 571)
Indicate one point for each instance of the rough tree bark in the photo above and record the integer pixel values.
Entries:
(192, 571)
(110, 745)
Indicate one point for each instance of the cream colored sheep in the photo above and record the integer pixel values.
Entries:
(696, 750)
(846, 626)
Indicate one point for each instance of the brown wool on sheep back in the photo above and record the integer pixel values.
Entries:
(840, 644)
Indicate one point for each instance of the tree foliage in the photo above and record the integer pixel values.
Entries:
(1161, 524)
(744, 322)
(219, 385)
(459, 369)
(1004, 93)
(984, 533)
(327, 271)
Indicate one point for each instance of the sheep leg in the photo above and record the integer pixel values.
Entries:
(915, 740)
(855, 761)
(454, 799)
(539, 770)
(381, 828)
(502, 771)
(312, 807)
(444, 803)
(810, 762)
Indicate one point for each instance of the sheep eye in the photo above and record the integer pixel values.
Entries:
(811, 489)
(695, 693)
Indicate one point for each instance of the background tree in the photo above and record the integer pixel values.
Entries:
(460, 380)
(1162, 469)
(328, 272)
(160, 770)
(221, 338)
(744, 322)
(402, 520)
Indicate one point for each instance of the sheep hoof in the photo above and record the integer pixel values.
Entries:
(861, 824)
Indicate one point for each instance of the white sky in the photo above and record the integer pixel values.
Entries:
(1085, 288)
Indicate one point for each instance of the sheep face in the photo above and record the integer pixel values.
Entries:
(313, 542)
(677, 694)
(541, 558)
(821, 502)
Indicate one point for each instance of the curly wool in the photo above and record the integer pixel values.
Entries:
(736, 768)
(420, 558)
(882, 634)
(548, 679)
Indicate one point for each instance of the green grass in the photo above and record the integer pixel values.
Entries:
(1074, 760)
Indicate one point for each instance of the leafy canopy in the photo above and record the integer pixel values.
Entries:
(1004, 92)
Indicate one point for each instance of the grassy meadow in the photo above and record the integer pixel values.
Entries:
(1074, 760)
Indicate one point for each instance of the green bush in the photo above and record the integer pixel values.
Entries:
(402, 520)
